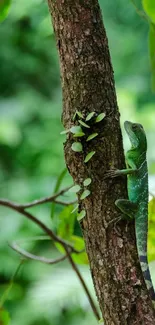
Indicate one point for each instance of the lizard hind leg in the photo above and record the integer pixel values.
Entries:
(128, 210)
(127, 207)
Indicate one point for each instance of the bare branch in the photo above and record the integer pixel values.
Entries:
(40, 201)
(47, 230)
(42, 259)
(69, 249)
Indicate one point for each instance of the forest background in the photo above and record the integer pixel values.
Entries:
(31, 149)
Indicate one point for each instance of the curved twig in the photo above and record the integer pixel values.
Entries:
(42, 259)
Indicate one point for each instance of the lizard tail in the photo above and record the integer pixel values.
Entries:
(141, 238)
(147, 276)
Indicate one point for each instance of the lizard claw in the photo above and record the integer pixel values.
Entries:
(115, 221)
(111, 173)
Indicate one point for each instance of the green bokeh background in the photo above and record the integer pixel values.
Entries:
(31, 148)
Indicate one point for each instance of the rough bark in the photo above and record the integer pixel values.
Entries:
(88, 85)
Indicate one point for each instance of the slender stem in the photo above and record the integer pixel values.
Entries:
(9, 287)
(140, 12)
(75, 268)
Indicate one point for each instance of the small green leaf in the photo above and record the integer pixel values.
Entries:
(92, 136)
(4, 317)
(149, 7)
(76, 207)
(87, 181)
(84, 194)
(77, 131)
(89, 116)
(81, 215)
(77, 146)
(64, 132)
(4, 8)
(83, 124)
(66, 222)
(152, 53)
(77, 113)
(78, 135)
(78, 243)
(74, 116)
(89, 156)
(75, 189)
(100, 117)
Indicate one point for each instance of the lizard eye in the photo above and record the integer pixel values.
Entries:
(134, 126)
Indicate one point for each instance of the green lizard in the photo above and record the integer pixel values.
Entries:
(137, 205)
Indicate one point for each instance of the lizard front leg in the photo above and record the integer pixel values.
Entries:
(130, 170)
(119, 172)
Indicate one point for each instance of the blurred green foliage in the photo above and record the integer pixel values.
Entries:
(4, 8)
(31, 149)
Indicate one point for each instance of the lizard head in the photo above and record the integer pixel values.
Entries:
(136, 135)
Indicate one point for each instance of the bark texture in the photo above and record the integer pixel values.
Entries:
(88, 85)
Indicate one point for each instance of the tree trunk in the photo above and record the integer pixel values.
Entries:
(88, 85)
